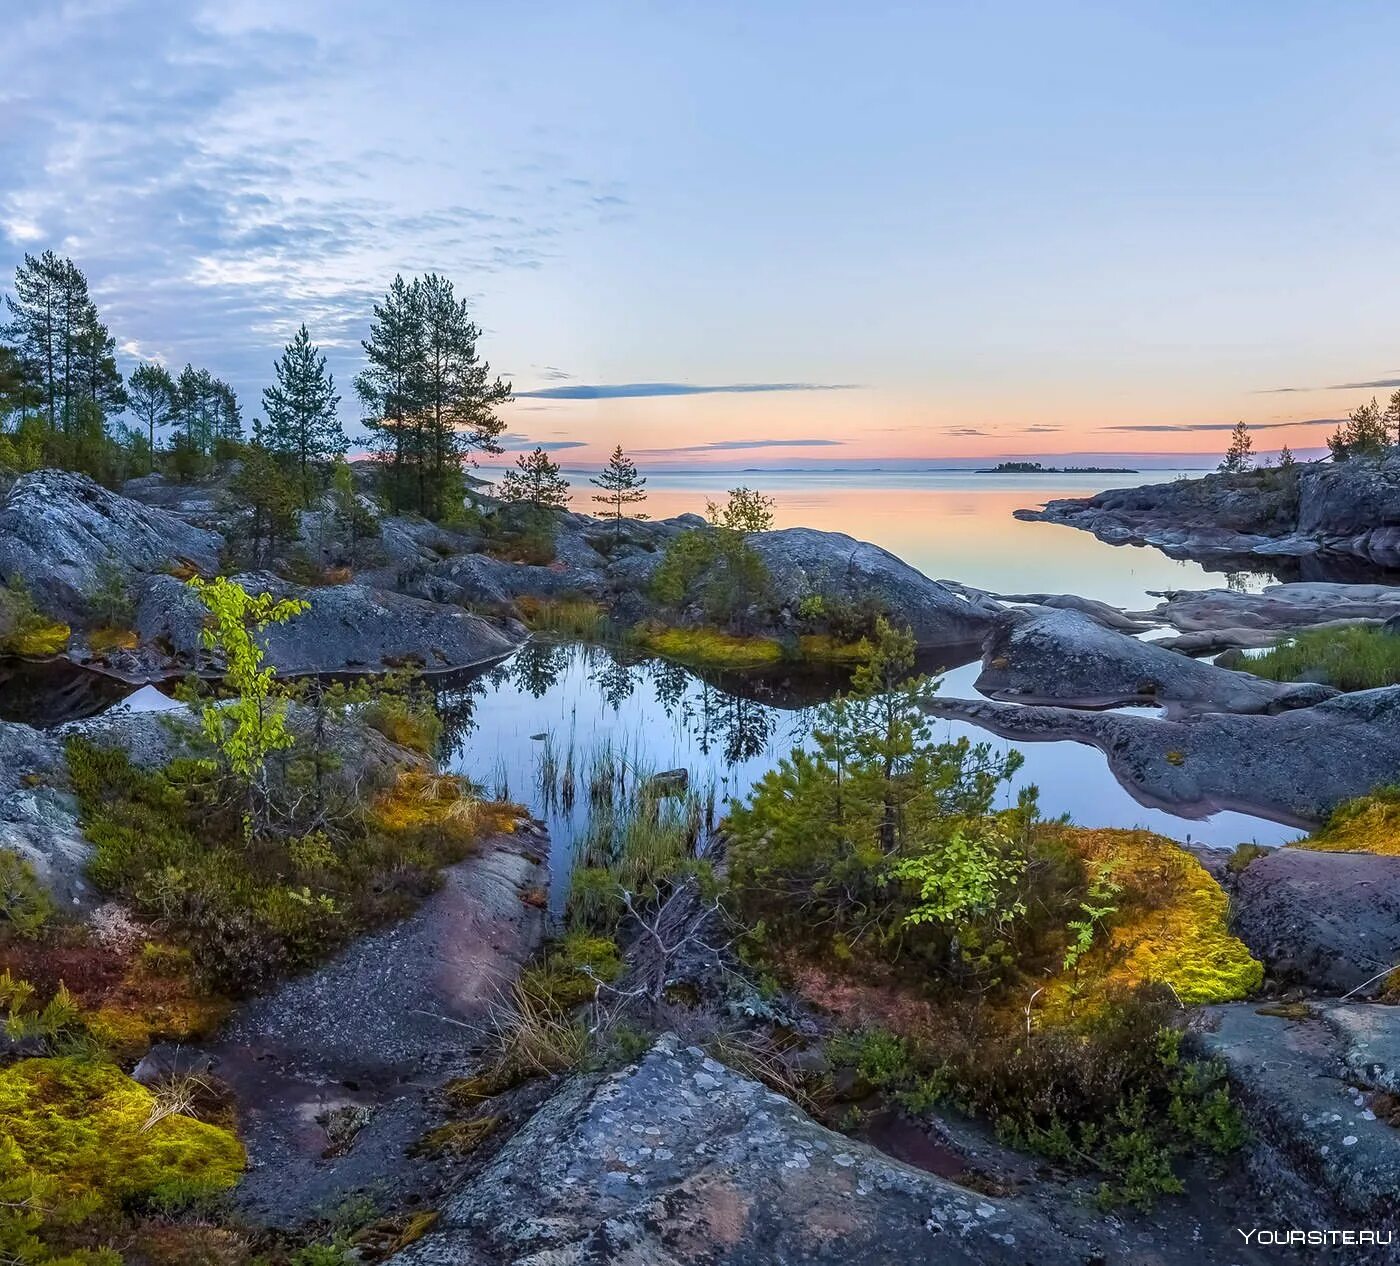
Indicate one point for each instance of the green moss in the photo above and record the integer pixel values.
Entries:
(1368, 824)
(1243, 855)
(1354, 658)
(456, 1138)
(81, 1140)
(24, 629)
(1171, 928)
(570, 970)
(708, 647)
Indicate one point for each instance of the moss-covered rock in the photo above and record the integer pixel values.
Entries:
(1368, 824)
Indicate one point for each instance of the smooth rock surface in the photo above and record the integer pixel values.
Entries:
(1315, 1091)
(1327, 921)
(1294, 767)
(1066, 656)
(678, 1159)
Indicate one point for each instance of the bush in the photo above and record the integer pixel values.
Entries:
(24, 629)
(715, 568)
(1368, 824)
(25, 906)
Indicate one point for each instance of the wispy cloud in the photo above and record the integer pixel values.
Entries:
(963, 430)
(733, 446)
(512, 441)
(1154, 428)
(642, 390)
(1366, 385)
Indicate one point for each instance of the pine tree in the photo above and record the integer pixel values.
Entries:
(151, 397)
(536, 482)
(262, 488)
(1392, 413)
(622, 486)
(302, 423)
(1286, 460)
(1239, 457)
(390, 388)
(1366, 433)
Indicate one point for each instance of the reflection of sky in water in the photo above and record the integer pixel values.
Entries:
(960, 526)
(663, 717)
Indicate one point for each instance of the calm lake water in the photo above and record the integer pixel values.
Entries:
(957, 525)
(727, 730)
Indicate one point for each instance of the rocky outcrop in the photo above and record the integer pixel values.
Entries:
(58, 530)
(1216, 619)
(366, 1040)
(1320, 1086)
(348, 628)
(1064, 656)
(1324, 921)
(1350, 508)
(1294, 767)
(37, 819)
(678, 1159)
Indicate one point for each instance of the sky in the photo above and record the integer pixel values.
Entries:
(746, 235)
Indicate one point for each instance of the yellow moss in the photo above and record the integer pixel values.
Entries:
(1171, 928)
(83, 1133)
(456, 1138)
(709, 647)
(112, 639)
(419, 800)
(1368, 824)
(37, 638)
(828, 649)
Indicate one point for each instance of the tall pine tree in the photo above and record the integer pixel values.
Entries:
(303, 426)
(151, 397)
(536, 482)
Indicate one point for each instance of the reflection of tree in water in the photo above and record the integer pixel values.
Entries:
(456, 708)
(537, 667)
(740, 726)
(614, 681)
(745, 726)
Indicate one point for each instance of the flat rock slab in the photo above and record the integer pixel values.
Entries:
(679, 1159)
(1068, 656)
(1295, 767)
(1310, 1087)
(1326, 921)
(376, 1031)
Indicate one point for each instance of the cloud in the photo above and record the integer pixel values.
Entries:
(1224, 426)
(731, 446)
(963, 430)
(512, 441)
(1370, 384)
(1040, 430)
(642, 390)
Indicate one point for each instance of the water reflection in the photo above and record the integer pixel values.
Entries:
(566, 706)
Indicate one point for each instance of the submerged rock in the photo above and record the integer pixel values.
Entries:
(1296, 766)
(58, 529)
(1067, 656)
(1323, 920)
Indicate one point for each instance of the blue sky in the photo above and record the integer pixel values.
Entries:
(917, 231)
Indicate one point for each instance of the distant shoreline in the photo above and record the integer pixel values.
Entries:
(1035, 468)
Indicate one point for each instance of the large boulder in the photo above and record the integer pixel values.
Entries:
(1065, 656)
(678, 1159)
(1320, 1088)
(803, 561)
(347, 628)
(1296, 766)
(58, 530)
(1325, 921)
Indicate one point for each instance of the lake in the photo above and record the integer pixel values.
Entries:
(956, 525)
(726, 730)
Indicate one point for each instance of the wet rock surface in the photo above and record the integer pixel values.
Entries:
(1296, 766)
(1318, 1085)
(1324, 921)
(359, 1046)
(1067, 656)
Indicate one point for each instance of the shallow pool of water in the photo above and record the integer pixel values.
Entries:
(726, 733)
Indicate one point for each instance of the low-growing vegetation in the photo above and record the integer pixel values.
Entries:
(1356, 658)
(1368, 824)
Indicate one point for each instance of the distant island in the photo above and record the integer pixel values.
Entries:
(1035, 468)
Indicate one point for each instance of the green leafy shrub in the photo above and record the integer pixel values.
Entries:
(25, 906)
